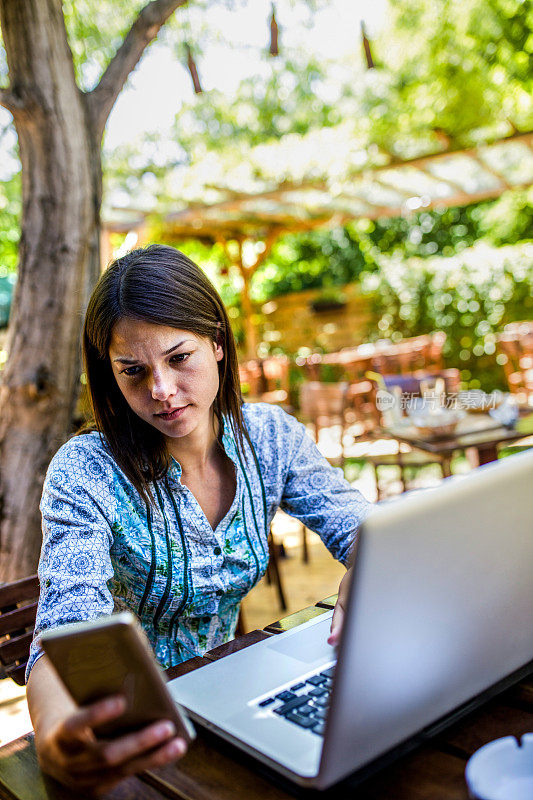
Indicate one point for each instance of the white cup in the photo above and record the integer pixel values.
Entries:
(502, 770)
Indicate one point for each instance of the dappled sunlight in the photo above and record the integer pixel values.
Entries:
(14, 716)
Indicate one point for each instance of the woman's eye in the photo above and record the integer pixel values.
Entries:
(180, 357)
(131, 371)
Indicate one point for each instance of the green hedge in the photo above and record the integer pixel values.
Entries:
(470, 296)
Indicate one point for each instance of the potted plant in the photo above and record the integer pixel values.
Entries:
(328, 300)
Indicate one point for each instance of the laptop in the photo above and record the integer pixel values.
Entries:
(439, 618)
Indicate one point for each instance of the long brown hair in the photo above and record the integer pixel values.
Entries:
(161, 285)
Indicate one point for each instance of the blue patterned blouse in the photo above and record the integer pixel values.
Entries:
(104, 550)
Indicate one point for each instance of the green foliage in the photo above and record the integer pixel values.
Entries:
(10, 210)
(447, 231)
(324, 259)
(460, 69)
(309, 261)
(508, 219)
(95, 31)
(288, 101)
(470, 297)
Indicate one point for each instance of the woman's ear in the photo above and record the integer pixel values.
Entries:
(217, 344)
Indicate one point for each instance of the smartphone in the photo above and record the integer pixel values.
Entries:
(112, 655)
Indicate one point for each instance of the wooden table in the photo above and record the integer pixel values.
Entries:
(477, 432)
(213, 770)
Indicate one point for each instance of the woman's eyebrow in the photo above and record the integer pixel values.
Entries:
(179, 344)
(122, 360)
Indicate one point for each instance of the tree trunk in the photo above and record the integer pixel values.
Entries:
(59, 262)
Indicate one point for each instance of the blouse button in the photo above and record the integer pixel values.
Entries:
(217, 551)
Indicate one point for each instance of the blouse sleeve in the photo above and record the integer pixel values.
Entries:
(75, 563)
(319, 495)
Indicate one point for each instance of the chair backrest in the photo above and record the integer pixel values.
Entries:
(276, 372)
(413, 383)
(18, 608)
(323, 403)
(310, 366)
(515, 342)
(251, 376)
(266, 379)
(418, 352)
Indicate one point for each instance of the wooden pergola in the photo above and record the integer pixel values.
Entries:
(321, 180)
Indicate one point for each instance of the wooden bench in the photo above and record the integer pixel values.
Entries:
(18, 608)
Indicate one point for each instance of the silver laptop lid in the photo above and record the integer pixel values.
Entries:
(441, 608)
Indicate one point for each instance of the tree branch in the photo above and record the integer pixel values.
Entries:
(10, 100)
(145, 28)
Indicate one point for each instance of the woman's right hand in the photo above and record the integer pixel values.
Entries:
(71, 752)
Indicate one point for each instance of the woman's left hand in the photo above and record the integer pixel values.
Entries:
(340, 608)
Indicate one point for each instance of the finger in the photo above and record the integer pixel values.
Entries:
(336, 625)
(136, 744)
(91, 716)
(337, 612)
(170, 751)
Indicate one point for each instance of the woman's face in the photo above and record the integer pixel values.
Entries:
(168, 377)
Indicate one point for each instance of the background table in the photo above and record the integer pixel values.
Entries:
(476, 431)
(213, 770)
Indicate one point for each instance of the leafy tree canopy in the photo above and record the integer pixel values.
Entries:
(460, 68)
(290, 100)
(450, 73)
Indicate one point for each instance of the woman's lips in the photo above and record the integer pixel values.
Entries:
(172, 414)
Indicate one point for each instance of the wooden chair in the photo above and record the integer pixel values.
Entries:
(404, 460)
(18, 609)
(310, 366)
(360, 411)
(515, 342)
(267, 380)
(276, 377)
(323, 405)
(273, 574)
(251, 377)
(418, 352)
(412, 383)
(351, 363)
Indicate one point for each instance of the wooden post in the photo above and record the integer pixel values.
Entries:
(250, 345)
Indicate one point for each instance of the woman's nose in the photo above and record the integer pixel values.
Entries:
(162, 386)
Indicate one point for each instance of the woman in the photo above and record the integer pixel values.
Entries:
(164, 507)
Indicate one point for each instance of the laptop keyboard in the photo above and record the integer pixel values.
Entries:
(305, 703)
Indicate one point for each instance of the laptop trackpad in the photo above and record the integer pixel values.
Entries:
(308, 645)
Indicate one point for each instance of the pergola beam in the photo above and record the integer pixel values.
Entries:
(196, 211)
(525, 138)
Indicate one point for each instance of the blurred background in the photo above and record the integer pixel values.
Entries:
(290, 161)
